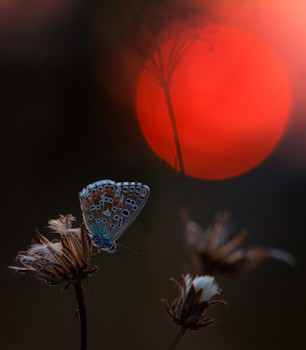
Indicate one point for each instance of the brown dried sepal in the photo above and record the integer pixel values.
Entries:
(187, 310)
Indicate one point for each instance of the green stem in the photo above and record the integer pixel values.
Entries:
(82, 312)
(178, 338)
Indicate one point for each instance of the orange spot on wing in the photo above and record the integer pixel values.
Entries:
(120, 204)
(101, 192)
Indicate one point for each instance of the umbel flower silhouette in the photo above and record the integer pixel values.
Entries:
(196, 295)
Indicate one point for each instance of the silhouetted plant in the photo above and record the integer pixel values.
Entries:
(188, 310)
(63, 260)
(214, 250)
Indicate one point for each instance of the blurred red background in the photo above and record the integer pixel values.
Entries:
(231, 97)
(68, 88)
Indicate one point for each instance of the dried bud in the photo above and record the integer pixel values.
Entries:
(196, 295)
(63, 260)
(213, 251)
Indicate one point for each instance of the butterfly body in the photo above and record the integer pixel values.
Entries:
(108, 208)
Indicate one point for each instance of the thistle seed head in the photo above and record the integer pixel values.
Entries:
(64, 259)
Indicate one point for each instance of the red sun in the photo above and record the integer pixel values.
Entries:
(230, 95)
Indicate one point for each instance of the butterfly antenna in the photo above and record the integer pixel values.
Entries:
(131, 250)
(121, 250)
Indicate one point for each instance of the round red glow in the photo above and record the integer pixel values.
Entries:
(230, 95)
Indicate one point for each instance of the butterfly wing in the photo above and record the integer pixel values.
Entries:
(134, 197)
(108, 208)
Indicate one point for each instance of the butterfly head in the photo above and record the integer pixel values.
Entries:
(104, 245)
(111, 248)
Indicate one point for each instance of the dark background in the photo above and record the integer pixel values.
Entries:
(67, 90)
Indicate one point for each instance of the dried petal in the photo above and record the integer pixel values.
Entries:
(213, 252)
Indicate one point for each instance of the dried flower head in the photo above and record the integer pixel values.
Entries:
(62, 260)
(196, 295)
(213, 251)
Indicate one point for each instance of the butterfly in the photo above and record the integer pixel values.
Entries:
(109, 208)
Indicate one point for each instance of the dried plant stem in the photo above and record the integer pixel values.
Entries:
(178, 338)
(166, 89)
(82, 313)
